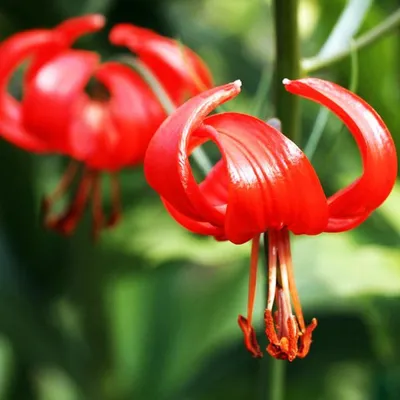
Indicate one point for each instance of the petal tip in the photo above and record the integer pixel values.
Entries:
(286, 81)
(98, 20)
(237, 83)
(129, 35)
(116, 34)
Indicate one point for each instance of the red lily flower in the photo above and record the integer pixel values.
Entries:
(108, 129)
(264, 182)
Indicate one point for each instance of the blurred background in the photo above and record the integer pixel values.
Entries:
(150, 311)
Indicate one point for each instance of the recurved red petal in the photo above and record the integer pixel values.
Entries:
(180, 70)
(263, 181)
(134, 111)
(70, 30)
(18, 47)
(271, 182)
(351, 205)
(167, 155)
(195, 226)
(215, 189)
(52, 95)
(11, 129)
(13, 52)
(73, 28)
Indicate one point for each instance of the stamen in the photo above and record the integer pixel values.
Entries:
(282, 330)
(288, 336)
(115, 215)
(255, 245)
(250, 339)
(97, 208)
(305, 339)
(66, 223)
(270, 331)
(61, 188)
(285, 254)
(283, 269)
(272, 260)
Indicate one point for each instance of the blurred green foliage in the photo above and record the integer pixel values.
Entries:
(149, 312)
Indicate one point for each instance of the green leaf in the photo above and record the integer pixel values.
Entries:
(324, 113)
(346, 27)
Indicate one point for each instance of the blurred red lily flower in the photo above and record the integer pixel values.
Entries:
(264, 182)
(109, 128)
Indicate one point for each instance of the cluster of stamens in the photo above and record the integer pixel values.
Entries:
(89, 188)
(287, 333)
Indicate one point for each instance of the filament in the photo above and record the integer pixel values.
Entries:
(115, 201)
(292, 283)
(61, 187)
(283, 270)
(255, 245)
(67, 222)
(272, 259)
(97, 208)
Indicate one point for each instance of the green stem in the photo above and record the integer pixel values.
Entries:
(287, 65)
(277, 378)
(387, 26)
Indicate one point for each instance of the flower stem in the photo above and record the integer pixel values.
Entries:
(287, 65)
(387, 26)
(277, 379)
